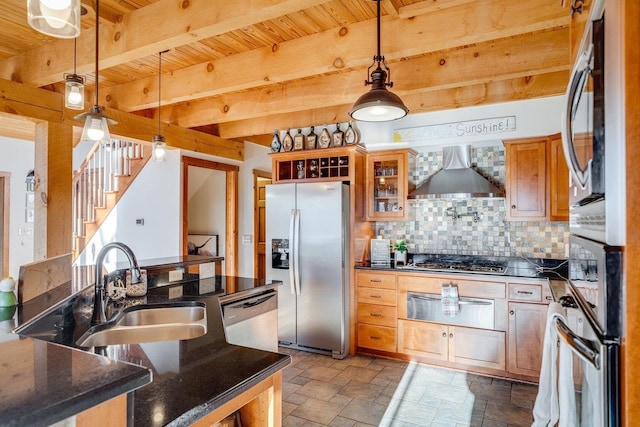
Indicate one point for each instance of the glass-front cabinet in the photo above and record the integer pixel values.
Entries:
(388, 183)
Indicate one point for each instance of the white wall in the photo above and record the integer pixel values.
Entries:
(255, 158)
(17, 158)
(154, 197)
(207, 210)
(536, 117)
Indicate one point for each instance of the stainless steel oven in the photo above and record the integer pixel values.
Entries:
(594, 330)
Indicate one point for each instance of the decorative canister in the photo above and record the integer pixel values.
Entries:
(137, 289)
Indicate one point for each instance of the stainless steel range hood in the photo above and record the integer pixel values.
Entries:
(456, 179)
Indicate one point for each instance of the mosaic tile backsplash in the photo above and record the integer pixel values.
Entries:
(430, 230)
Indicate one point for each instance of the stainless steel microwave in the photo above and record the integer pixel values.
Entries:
(583, 132)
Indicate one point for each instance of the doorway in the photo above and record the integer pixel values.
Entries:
(260, 180)
(4, 224)
(225, 206)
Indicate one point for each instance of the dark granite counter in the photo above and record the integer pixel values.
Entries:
(190, 377)
(44, 383)
(554, 269)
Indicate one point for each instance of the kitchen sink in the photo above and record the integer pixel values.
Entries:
(148, 324)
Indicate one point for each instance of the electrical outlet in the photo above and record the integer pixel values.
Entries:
(139, 221)
(207, 270)
(176, 275)
(246, 239)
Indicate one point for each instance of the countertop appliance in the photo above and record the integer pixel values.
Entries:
(595, 283)
(592, 142)
(251, 322)
(307, 239)
(597, 221)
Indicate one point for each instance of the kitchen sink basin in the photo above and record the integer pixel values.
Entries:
(148, 324)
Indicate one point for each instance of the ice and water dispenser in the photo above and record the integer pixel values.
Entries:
(280, 254)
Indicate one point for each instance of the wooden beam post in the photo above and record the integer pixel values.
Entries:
(53, 192)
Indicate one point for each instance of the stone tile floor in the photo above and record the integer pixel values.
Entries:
(366, 391)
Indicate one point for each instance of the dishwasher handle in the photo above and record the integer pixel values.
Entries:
(461, 300)
(239, 311)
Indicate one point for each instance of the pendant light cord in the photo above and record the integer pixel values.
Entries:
(159, 87)
(75, 45)
(379, 57)
(97, 46)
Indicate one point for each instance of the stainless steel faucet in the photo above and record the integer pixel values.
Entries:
(99, 316)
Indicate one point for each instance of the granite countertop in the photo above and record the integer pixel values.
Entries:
(190, 377)
(553, 269)
(43, 383)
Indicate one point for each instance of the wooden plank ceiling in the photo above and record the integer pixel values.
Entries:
(241, 68)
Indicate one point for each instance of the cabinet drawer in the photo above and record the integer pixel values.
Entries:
(376, 280)
(377, 337)
(375, 314)
(377, 296)
(522, 292)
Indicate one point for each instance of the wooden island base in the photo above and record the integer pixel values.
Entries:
(261, 405)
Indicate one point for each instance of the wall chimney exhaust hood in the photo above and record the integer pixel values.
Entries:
(456, 179)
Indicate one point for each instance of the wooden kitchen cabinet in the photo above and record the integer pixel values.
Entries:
(526, 335)
(376, 311)
(329, 164)
(468, 346)
(526, 176)
(558, 181)
(537, 179)
(389, 181)
(528, 305)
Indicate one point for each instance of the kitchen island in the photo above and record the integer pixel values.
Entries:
(191, 378)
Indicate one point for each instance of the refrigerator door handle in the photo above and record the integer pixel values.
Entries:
(292, 260)
(296, 251)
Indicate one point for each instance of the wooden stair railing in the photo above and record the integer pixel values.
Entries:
(99, 183)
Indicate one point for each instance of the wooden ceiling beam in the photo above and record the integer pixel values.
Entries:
(40, 104)
(515, 89)
(424, 7)
(352, 48)
(526, 55)
(163, 25)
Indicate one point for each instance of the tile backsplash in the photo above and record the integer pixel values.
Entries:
(430, 230)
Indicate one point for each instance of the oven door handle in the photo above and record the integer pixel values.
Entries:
(583, 348)
(461, 300)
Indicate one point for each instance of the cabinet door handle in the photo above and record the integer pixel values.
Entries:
(451, 335)
(444, 335)
(512, 312)
(375, 338)
(524, 292)
(400, 208)
(375, 315)
(513, 206)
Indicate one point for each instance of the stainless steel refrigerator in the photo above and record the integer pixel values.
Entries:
(308, 249)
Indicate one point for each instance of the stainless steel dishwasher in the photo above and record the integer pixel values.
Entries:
(474, 312)
(252, 321)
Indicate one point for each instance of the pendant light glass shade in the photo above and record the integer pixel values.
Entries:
(159, 148)
(379, 104)
(96, 124)
(55, 18)
(74, 91)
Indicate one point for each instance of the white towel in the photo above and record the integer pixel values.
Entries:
(566, 390)
(450, 300)
(546, 411)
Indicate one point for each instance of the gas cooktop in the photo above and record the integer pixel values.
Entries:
(459, 265)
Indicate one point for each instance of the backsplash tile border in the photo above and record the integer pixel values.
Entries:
(429, 230)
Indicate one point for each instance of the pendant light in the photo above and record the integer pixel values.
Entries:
(158, 142)
(55, 18)
(379, 105)
(74, 87)
(96, 124)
